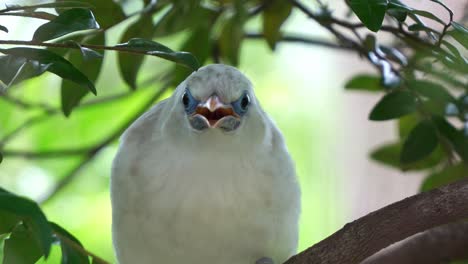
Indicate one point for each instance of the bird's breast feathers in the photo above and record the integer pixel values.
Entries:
(202, 201)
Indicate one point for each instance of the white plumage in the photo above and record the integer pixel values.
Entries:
(187, 196)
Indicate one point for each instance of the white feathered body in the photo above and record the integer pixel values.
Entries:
(202, 198)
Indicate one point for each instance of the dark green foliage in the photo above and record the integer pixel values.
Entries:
(393, 105)
(21, 247)
(390, 155)
(365, 82)
(445, 176)
(129, 64)
(370, 12)
(53, 63)
(3, 28)
(460, 33)
(69, 245)
(156, 49)
(29, 213)
(421, 142)
(274, 16)
(90, 64)
(29, 231)
(72, 20)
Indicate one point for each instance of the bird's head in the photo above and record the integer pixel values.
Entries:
(216, 97)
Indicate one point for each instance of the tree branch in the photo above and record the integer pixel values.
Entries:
(301, 39)
(80, 249)
(92, 153)
(74, 46)
(362, 238)
(446, 243)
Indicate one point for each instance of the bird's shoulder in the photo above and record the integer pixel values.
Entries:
(145, 126)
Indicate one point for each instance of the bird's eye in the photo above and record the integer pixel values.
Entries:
(185, 100)
(190, 104)
(242, 104)
(245, 102)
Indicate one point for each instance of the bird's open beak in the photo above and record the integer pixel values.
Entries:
(213, 113)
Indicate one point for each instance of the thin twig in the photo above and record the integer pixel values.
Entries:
(38, 15)
(27, 123)
(26, 105)
(79, 248)
(74, 46)
(34, 7)
(47, 154)
(301, 39)
(447, 26)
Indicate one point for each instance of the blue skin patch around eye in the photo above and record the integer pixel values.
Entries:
(190, 103)
(241, 105)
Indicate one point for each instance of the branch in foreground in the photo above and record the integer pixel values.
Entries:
(362, 238)
(445, 243)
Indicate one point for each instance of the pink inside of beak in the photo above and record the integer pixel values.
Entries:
(214, 116)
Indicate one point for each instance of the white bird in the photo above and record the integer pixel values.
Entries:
(205, 177)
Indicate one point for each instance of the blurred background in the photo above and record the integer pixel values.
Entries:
(300, 86)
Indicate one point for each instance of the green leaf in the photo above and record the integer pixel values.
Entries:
(459, 33)
(56, 64)
(418, 27)
(389, 155)
(427, 15)
(444, 177)
(456, 138)
(455, 52)
(130, 64)
(364, 82)
(399, 14)
(406, 124)
(7, 222)
(230, 40)
(431, 90)
(370, 12)
(31, 216)
(153, 48)
(274, 15)
(21, 247)
(399, 6)
(72, 20)
(14, 69)
(107, 12)
(69, 253)
(200, 45)
(87, 53)
(192, 13)
(421, 142)
(3, 28)
(393, 105)
(72, 93)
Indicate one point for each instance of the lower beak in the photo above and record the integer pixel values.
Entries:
(215, 113)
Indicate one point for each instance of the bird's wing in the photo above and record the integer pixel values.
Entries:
(133, 139)
(125, 172)
(145, 124)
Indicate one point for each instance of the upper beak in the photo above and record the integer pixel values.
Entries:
(213, 110)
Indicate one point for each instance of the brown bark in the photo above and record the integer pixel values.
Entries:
(364, 237)
(441, 244)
